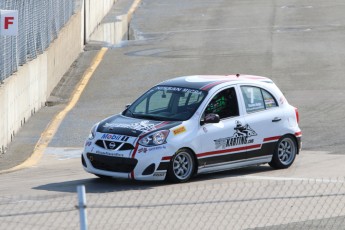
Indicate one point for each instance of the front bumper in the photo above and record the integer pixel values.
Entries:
(143, 163)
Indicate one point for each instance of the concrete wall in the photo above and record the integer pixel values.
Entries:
(95, 10)
(26, 91)
(112, 32)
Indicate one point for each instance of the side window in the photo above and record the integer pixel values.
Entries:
(270, 102)
(224, 104)
(256, 99)
(252, 98)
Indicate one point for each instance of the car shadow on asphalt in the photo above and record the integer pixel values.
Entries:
(101, 185)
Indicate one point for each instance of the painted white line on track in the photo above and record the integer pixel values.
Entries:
(321, 180)
(64, 153)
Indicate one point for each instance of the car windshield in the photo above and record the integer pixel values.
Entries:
(166, 103)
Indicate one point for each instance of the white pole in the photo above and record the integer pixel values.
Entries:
(82, 207)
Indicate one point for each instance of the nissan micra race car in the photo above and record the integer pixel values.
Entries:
(193, 125)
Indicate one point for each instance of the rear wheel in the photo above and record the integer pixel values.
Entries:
(285, 153)
(182, 166)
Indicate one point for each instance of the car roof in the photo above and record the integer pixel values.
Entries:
(207, 82)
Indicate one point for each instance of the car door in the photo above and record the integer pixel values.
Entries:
(263, 118)
(221, 143)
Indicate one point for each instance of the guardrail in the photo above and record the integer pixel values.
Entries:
(39, 24)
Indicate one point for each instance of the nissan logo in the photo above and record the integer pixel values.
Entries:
(112, 145)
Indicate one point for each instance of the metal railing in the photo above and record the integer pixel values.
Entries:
(247, 204)
(39, 24)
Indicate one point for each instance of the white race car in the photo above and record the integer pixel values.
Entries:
(196, 124)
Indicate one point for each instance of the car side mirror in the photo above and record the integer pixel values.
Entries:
(210, 118)
(126, 106)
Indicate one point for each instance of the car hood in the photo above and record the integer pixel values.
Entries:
(119, 124)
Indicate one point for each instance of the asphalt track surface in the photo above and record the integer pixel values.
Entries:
(299, 44)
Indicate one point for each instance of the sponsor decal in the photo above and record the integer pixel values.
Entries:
(145, 150)
(157, 148)
(179, 89)
(110, 154)
(114, 137)
(140, 126)
(88, 143)
(240, 137)
(179, 130)
(270, 102)
(254, 106)
(159, 174)
(142, 150)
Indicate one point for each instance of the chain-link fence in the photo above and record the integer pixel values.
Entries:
(39, 24)
(248, 204)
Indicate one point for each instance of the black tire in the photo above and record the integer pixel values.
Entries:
(285, 153)
(182, 166)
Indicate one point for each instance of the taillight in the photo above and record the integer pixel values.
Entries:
(297, 115)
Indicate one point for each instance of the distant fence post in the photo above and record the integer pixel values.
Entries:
(82, 207)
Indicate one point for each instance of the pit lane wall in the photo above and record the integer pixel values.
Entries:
(95, 10)
(26, 91)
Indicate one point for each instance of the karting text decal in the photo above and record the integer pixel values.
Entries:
(240, 137)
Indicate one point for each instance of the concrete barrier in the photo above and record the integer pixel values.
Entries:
(95, 11)
(111, 32)
(27, 90)
(114, 27)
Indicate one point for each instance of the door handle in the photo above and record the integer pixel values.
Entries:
(276, 119)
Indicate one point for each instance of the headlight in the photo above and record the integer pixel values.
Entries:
(93, 132)
(156, 138)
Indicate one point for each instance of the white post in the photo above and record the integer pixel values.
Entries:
(82, 207)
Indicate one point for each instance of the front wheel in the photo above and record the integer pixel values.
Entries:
(285, 153)
(182, 166)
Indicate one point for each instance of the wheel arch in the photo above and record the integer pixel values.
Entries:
(295, 139)
(278, 163)
(195, 158)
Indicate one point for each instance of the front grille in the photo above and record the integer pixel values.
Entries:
(112, 145)
(127, 146)
(100, 143)
(113, 164)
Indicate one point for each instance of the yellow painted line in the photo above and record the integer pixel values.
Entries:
(53, 126)
(133, 8)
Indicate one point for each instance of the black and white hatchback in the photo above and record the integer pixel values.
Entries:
(196, 124)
